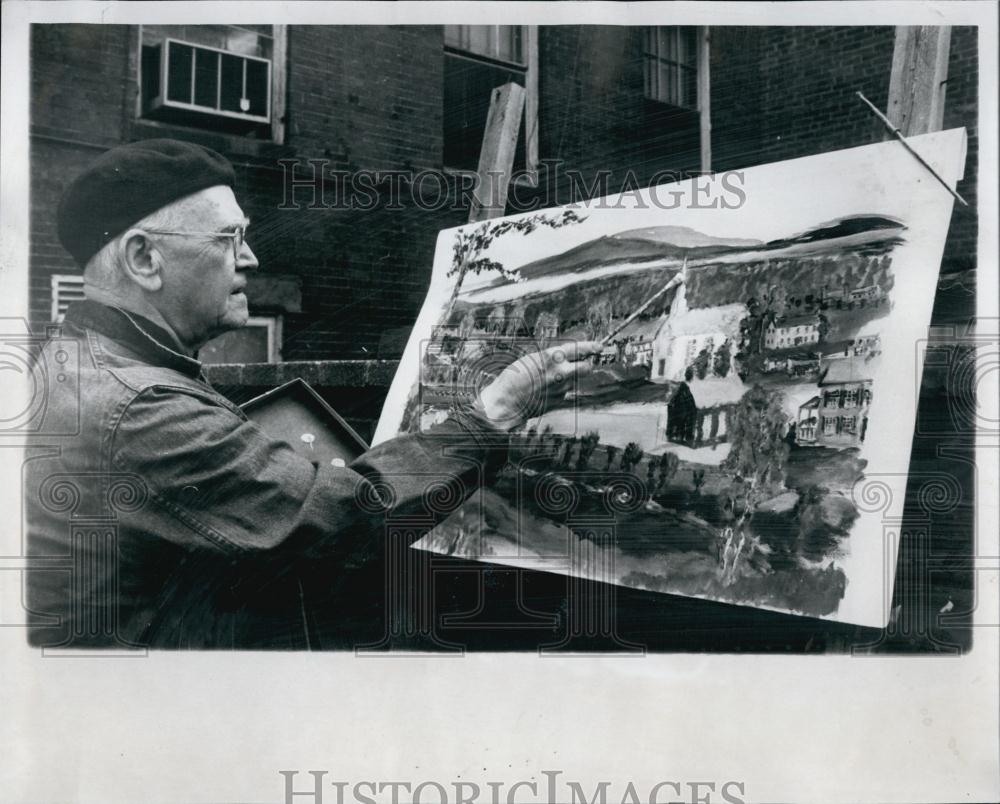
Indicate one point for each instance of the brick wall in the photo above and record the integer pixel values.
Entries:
(78, 91)
(363, 98)
(593, 115)
(781, 93)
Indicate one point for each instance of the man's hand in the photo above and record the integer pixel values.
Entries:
(527, 386)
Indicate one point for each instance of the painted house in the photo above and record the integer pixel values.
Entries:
(697, 412)
(686, 332)
(838, 415)
(793, 366)
(866, 294)
(636, 341)
(869, 294)
(792, 331)
(546, 326)
(863, 345)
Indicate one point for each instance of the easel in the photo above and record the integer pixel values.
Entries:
(496, 156)
(919, 78)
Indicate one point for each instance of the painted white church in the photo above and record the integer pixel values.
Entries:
(684, 333)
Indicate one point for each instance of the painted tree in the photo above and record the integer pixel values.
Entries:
(611, 451)
(631, 456)
(756, 460)
(544, 440)
(701, 363)
(528, 443)
(667, 467)
(587, 446)
(557, 444)
(568, 454)
(598, 322)
(470, 243)
(723, 359)
(698, 480)
(467, 325)
(823, 327)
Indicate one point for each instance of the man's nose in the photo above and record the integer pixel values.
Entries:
(246, 260)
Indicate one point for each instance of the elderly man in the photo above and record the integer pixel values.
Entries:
(184, 525)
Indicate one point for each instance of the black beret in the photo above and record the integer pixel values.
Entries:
(130, 182)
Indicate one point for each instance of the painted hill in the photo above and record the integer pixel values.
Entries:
(843, 227)
(602, 252)
(684, 237)
(668, 244)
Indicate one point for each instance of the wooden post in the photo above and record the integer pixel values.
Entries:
(918, 79)
(531, 99)
(279, 83)
(496, 159)
(704, 99)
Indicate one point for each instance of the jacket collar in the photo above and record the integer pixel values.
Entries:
(137, 332)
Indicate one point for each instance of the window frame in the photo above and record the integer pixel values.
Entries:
(655, 35)
(529, 46)
(703, 96)
(495, 58)
(273, 325)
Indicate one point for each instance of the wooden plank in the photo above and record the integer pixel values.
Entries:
(496, 159)
(531, 99)
(704, 99)
(279, 82)
(918, 79)
(918, 82)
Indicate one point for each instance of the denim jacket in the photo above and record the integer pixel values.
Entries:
(158, 514)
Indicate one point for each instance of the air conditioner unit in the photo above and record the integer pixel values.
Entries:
(193, 78)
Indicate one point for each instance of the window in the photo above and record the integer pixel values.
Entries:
(849, 424)
(831, 399)
(829, 425)
(258, 342)
(670, 59)
(222, 77)
(500, 42)
(692, 346)
(66, 288)
(661, 367)
(478, 59)
(850, 397)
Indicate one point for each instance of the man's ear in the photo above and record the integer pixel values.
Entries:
(143, 263)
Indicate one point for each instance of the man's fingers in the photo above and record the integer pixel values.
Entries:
(573, 352)
(562, 375)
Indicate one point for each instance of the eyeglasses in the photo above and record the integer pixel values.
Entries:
(239, 236)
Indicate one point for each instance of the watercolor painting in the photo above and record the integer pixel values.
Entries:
(747, 388)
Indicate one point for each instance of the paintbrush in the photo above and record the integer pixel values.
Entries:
(902, 140)
(676, 280)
